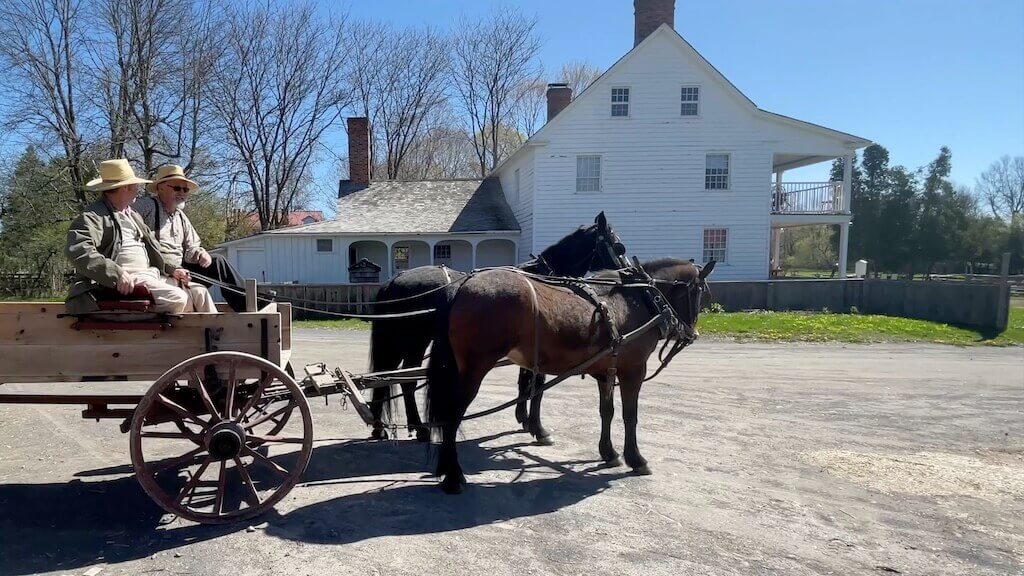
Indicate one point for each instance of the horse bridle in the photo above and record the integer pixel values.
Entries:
(603, 243)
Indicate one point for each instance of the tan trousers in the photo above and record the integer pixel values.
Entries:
(167, 297)
(199, 299)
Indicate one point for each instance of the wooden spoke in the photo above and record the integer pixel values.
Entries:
(279, 439)
(190, 488)
(173, 436)
(218, 502)
(229, 402)
(253, 423)
(248, 482)
(183, 413)
(196, 382)
(264, 380)
(176, 462)
(257, 457)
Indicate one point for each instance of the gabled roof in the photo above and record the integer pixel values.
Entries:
(666, 30)
(417, 207)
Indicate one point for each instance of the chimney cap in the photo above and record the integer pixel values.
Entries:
(557, 85)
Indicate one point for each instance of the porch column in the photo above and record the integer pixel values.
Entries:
(777, 196)
(390, 271)
(776, 249)
(844, 241)
(473, 244)
(430, 246)
(847, 183)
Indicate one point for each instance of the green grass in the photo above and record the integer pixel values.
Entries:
(825, 327)
(339, 324)
(810, 327)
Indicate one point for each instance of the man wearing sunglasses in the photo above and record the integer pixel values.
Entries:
(163, 213)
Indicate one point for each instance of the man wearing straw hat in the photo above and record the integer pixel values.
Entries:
(163, 213)
(111, 247)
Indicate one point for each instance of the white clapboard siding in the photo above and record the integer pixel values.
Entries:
(523, 208)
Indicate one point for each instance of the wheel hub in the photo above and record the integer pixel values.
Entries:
(225, 441)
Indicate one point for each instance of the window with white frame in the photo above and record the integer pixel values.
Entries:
(324, 245)
(620, 102)
(690, 101)
(716, 172)
(716, 245)
(588, 173)
(515, 193)
(442, 252)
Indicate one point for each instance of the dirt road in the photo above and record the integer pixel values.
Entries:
(767, 459)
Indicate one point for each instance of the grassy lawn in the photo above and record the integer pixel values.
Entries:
(810, 327)
(821, 327)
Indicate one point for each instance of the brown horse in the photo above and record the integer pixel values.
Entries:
(552, 330)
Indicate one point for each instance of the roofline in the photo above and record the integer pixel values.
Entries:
(280, 234)
(856, 141)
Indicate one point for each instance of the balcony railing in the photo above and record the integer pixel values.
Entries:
(807, 198)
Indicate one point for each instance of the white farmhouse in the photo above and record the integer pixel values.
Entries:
(677, 157)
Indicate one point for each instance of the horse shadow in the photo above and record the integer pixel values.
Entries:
(70, 525)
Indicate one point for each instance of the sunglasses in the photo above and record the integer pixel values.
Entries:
(178, 188)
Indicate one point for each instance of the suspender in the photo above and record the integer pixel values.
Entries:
(156, 217)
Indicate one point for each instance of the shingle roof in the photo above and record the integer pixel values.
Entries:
(424, 206)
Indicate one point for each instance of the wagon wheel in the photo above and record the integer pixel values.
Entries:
(219, 462)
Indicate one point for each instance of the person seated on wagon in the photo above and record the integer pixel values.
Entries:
(110, 247)
(163, 213)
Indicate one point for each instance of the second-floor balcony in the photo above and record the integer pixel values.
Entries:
(808, 198)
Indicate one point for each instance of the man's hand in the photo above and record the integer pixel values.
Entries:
(181, 275)
(125, 283)
(205, 260)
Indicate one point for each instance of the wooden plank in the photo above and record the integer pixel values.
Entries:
(285, 309)
(131, 399)
(250, 294)
(355, 397)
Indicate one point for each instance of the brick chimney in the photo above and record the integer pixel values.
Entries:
(649, 14)
(559, 96)
(359, 150)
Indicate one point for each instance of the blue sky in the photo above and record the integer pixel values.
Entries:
(912, 75)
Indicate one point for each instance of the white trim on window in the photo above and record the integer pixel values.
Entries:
(317, 245)
(716, 172)
(689, 100)
(718, 250)
(621, 98)
(589, 172)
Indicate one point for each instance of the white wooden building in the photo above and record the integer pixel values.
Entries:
(681, 161)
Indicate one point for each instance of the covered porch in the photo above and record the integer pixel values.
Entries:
(463, 252)
(801, 203)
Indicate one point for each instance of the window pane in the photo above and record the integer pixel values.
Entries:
(324, 245)
(716, 172)
(715, 244)
(620, 109)
(688, 109)
(442, 252)
(401, 253)
(588, 173)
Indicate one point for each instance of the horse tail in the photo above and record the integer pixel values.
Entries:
(442, 370)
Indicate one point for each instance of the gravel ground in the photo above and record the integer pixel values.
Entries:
(767, 459)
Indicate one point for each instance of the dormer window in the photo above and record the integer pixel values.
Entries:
(690, 101)
(620, 102)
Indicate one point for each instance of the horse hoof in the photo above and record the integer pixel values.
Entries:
(379, 434)
(544, 441)
(642, 470)
(451, 485)
(613, 462)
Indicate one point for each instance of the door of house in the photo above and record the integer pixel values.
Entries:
(399, 259)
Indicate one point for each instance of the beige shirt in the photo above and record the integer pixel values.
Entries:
(132, 256)
(176, 234)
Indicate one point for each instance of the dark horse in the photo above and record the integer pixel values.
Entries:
(403, 341)
(499, 313)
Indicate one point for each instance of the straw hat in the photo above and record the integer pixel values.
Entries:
(170, 172)
(114, 174)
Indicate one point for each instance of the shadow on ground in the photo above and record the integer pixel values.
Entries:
(67, 526)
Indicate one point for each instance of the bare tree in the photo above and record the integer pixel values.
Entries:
(40, 48)
(492, 58)
(1002, 187)
(578, 75)
(277, 88)
(530, 105)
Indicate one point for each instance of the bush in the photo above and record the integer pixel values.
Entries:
(715, 308)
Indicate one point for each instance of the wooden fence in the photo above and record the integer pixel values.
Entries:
(980, 305)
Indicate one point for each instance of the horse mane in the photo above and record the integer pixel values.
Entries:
(565, 243)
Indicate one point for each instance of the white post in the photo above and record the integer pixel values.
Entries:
(390, 256)
(776, 248)
(847, 182)
(777, 199)
(473, 246)
(250, 295)
(430, 246)
(844, 241)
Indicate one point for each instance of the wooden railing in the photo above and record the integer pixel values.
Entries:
(807, 198)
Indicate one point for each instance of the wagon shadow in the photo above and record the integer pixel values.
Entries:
(71, 525)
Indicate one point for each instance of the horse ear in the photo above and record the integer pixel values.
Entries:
(601, 221)
(706, 270)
